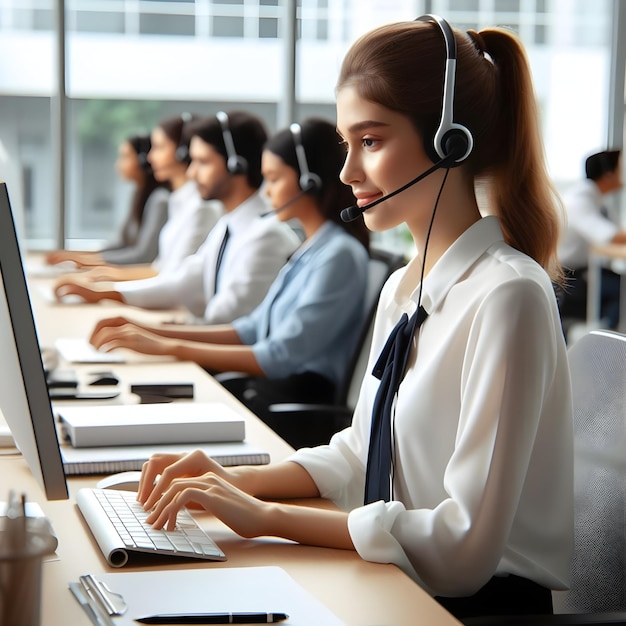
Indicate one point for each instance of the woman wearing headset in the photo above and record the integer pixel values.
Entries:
(296, 342)
(462, 476)
(139, 236)
(189, 217)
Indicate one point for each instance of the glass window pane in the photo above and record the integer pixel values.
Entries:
(268, 27)
(463, 5)
(227, 26)
(99, 22)
(27, 164)
(322, 30)
(151, 24)
(541, 34)
(43, 20)
(507, 6)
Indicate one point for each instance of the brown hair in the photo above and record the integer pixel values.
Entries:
(401, 67)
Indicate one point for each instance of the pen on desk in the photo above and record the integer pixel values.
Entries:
(213, 618)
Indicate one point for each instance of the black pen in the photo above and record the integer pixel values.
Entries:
(213, 618)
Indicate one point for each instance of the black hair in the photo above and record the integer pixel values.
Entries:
(325, 157)
(249, 136)
(141, 144)
(601, 163)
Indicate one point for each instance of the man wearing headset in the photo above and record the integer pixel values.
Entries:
(589, 223)
(233, 269)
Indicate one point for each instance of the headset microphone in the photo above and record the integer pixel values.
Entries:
(351, 213)
(286, 204)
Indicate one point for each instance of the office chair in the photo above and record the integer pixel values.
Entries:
(597, 593)
(304, 424)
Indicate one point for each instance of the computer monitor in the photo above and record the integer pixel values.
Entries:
(24, 398)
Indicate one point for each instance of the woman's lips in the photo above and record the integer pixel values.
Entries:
(363, 200)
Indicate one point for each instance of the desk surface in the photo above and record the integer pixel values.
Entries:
(358, 592)
(610, 250)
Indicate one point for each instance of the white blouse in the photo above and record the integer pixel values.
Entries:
(483, 474)
(190, 220)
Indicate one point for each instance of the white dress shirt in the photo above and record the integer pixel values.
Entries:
(189, 222)
(585, 224)
(483, 427)
(256, 250)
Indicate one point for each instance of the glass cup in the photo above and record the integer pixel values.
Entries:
(24, 542)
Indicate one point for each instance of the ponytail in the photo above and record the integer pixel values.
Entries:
(521, 192)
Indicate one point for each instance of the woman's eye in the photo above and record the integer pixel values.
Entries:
(368, 142)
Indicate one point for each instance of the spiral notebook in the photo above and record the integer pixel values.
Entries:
(109, 460)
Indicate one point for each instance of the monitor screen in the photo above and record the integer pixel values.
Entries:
(24, 398)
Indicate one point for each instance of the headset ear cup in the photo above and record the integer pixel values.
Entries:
(182, 154)
(457, 144)
(144, 164)
(236, 164)
(310, 183)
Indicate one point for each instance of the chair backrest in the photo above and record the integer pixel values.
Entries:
(382, 264)
(598, 572)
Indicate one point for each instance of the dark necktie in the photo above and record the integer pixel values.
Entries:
(390, 369)
(220, 256)
(604, 212)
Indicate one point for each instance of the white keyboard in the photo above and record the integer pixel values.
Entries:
(117, 522)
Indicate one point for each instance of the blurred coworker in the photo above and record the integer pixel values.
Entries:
(247, 249)
(296, 343)
(589, 223)
(190, 218)
(138, 241)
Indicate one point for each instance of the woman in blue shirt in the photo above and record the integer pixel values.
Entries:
(297, 342)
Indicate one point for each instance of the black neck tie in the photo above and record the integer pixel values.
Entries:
(390, 369)
(220, 256)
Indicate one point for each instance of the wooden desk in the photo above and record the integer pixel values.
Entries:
(598, 255)
(358, 592)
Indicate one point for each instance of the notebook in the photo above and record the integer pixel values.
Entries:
(226, 589)
(105, 460)
(150, 424)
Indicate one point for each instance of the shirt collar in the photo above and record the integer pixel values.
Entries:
(311, 242)
(455, 262)
(240, 217)
(183, 195)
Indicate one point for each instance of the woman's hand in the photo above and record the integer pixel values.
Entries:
(59, 256)
(69, 287)
(119, 332)
(101, 273)
(160, 470)
(243, 513)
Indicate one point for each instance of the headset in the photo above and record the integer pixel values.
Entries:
(182, 151)
(309, 181)
(450, 137)
(143, 148)
(235, 163)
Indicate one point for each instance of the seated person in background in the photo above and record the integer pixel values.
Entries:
(249, 249)
(588, 223)
(190, 218)
(296, 342)
(139, 237)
